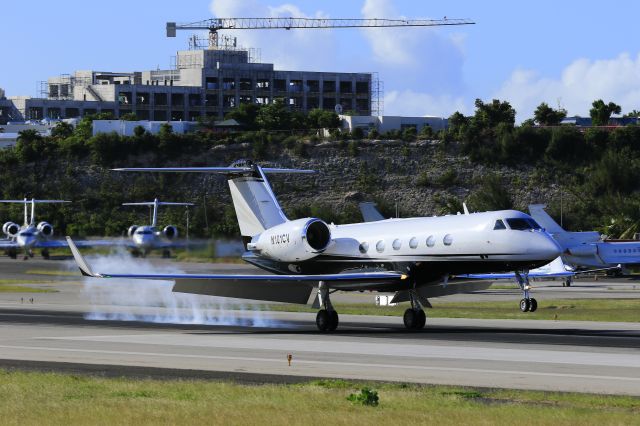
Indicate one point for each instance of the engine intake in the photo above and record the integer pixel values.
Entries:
(11, 229)
(293, 241)
(132, 230)
(170, 232)
(45, 229)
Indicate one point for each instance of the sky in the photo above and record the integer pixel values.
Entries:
(564, 53)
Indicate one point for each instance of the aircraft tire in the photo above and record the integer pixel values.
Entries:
(525, 305)
(45, 254)
(533, 305)
(334, 320)
(410, 319)
(323, 320)
(421, 319)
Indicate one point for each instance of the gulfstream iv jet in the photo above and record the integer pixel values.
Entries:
(412, 257)
(144, 239)
(32, 235)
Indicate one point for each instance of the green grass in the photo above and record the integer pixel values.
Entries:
(8, 288)
(616, 310)
(54, 272)
(49, 398)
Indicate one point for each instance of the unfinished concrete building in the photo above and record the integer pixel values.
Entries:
(207, 82)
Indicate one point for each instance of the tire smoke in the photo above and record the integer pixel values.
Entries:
(154, 301)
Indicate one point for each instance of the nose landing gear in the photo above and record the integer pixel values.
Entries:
(527, 304)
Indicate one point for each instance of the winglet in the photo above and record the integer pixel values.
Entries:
(82, 264)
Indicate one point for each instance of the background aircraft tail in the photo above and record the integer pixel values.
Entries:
(542, 217)
(257, 208)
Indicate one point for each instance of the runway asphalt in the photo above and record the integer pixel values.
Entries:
(62, 331)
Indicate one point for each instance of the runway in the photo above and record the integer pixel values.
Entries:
(55, 332)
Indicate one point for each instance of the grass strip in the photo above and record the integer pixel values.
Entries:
(52, 398)
(614, 310)
(9, 288)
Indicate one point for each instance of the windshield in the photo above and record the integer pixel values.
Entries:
(144, 232)
(26, 234)
(522, 224)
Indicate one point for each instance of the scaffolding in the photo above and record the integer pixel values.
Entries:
(377, 95)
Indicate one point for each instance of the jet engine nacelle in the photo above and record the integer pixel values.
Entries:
(132, 230)
(293, 241)
(583, 250)
(11, 229)
(170, 232)
(45, 229)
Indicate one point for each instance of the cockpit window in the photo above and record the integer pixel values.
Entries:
(522, 224)
(144, 232)
(26, 234)
(499, 225)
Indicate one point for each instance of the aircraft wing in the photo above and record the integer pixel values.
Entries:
(85, 243)
(275, 288)
(7, 244)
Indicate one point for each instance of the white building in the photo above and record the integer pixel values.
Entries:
(384, 123)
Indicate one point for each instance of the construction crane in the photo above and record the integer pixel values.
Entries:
(217, 24)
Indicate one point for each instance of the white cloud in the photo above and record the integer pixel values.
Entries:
(294, 49)
(580, 83)
(428, 60)
(410, 103)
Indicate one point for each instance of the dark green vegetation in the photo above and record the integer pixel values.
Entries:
(483, 159)
(47, 398)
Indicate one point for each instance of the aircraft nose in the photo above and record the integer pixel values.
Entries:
(547, 246)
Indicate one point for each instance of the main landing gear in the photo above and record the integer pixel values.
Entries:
(45, 254)
(327, 318)
(166, 254)
(567, 282)
(414, 318)
(527, 304)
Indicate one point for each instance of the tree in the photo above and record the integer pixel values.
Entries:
(632, 114)
(489, 115)
(322, 119)
(274, 116)
(245, 114)
(130, 116)
(544, 115)
(490, 196)
(601, 112)
(62, 130)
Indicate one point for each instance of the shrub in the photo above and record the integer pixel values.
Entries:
(366, 396)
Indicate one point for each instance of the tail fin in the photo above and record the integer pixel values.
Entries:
(33, 203)
(369, 212)
(542, 217)
(256, 206)
(155, 204)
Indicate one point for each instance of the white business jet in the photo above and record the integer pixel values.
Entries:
(413, 257)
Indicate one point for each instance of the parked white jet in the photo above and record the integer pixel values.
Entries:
(148, 237)
(30, 235)
(587, 249)
(412, 257)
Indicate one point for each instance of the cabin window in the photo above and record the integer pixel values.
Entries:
(380, 246)
(364, 247)
(447, 240)
(431, 241)
(499, 225)
(396, 244)
(413, 242)
(522, 224)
